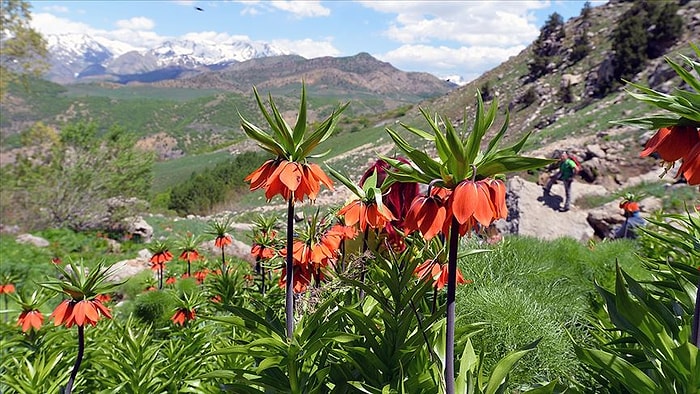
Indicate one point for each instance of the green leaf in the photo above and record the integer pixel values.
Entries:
(618, 369)
(504, 366)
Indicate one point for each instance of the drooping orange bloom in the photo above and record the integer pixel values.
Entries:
(432, 270)
(672, 143)
(301, 277)
(171, 280)
(678, 143)
(71, 312)
(7, 288)
(285, 177)
(103, 298)
(358, 211)
(190, 256)
(200, 275)
(427, 214)
(30, 320)
(472, 199)
(183, 315)
(497, 194)
(223, 241)
(56, 260)
(262, 252)
(159, 259)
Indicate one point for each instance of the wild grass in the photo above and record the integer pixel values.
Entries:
(527, 289)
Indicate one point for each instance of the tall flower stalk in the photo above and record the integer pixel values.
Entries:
(82, 305)
(160, 255)
(220, 230)
(466, 190)
(289, 174)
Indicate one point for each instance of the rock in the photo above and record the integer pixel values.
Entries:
(32, 240)
(138, 229)
(604, 219)
(113, 246)
(125, 269)
(531, 213)
(237, 248)
(651, 204)
(594, 150)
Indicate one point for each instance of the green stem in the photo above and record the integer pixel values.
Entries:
(289, 299)
(451, 293)
(76, 366)
(365, 236)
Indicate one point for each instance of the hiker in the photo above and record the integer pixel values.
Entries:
(567, 169)
(633, 220)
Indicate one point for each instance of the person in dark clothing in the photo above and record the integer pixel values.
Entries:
(566, 173)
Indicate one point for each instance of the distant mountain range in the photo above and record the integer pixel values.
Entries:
(78, 57)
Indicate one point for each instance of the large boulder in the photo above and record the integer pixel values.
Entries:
(138, 229)
(32, 240)
(238, 249)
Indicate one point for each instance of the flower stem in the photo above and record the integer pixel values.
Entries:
(76, 366)
(289, 300)
(451, 292)
(160, 277)
(365, 246)
(223, 260)
(695, 330)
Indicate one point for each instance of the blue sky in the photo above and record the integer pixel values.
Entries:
(449, 39)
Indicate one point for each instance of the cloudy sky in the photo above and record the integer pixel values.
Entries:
(449, 39)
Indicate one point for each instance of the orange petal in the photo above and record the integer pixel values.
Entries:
(465, 199)
(320, 176)
(290, 175)
(91, 313)
(483, 212)
(63, 310)
(691, 166)
(655, 141)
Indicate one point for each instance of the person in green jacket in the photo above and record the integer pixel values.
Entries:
(567, 170)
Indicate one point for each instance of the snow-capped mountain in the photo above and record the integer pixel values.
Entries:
(78, 56)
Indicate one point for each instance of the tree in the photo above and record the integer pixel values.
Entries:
(630, 44)
(23, 51)
(77, 179)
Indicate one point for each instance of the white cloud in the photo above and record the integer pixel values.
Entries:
(444, 60)
(215, 37)
(464, 22)
(302, 9)
(299, 9)
(308, 48)
(55, 8)
(136, 23)
(51, 24)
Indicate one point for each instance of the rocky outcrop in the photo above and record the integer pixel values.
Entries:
(32, 240)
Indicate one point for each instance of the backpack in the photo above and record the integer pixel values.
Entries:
(577, 169)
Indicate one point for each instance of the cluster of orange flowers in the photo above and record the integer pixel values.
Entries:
(312, 257)
(470, 203)
(431, 269)
(678, 143)
(7, 288)
(289, 178)
(71, 312)
(30, 319)
(159, 259)
(182, 316)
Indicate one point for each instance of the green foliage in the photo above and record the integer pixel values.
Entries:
(154, 307)
(23, 51)
(204, 190)
(645, 31)
(648, 342)
(80, 180)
